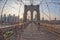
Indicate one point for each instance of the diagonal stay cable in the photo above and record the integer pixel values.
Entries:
(40, 5)
(20, 1)
(41, 2)
(57, 3)
(48, 10)
(45, 14)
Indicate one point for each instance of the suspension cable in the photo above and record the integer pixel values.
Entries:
(48, 10)
(3, 9)
(44, 13)
(41, 2)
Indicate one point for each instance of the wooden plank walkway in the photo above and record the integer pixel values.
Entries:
(32, 33)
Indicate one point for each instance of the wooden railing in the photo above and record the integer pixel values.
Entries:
(12, 28)
(52, 28)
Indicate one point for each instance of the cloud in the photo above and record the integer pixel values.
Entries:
(52, 7)
(0, 0)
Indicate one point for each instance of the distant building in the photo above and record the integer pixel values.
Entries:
(55, 18)
(4, 18)
(10, 18)
(36, 17)
(42, 18)
(14, 18)
(0, 18)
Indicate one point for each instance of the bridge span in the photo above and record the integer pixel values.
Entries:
(29, 31)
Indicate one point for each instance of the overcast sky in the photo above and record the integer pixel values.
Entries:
(12, 7)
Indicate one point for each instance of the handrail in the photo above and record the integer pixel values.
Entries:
(15, 28)
(52, 28)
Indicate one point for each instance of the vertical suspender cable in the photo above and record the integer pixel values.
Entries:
(40, 5)
(48, 10)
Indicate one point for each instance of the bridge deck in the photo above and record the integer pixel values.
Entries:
(32, 33)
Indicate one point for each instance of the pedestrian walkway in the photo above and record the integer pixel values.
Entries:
(32, 33)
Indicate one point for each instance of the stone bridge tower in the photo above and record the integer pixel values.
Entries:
(31, 8)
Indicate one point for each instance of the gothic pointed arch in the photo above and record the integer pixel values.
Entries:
(31, 8)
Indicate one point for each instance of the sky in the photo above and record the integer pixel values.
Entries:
(13, 6)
